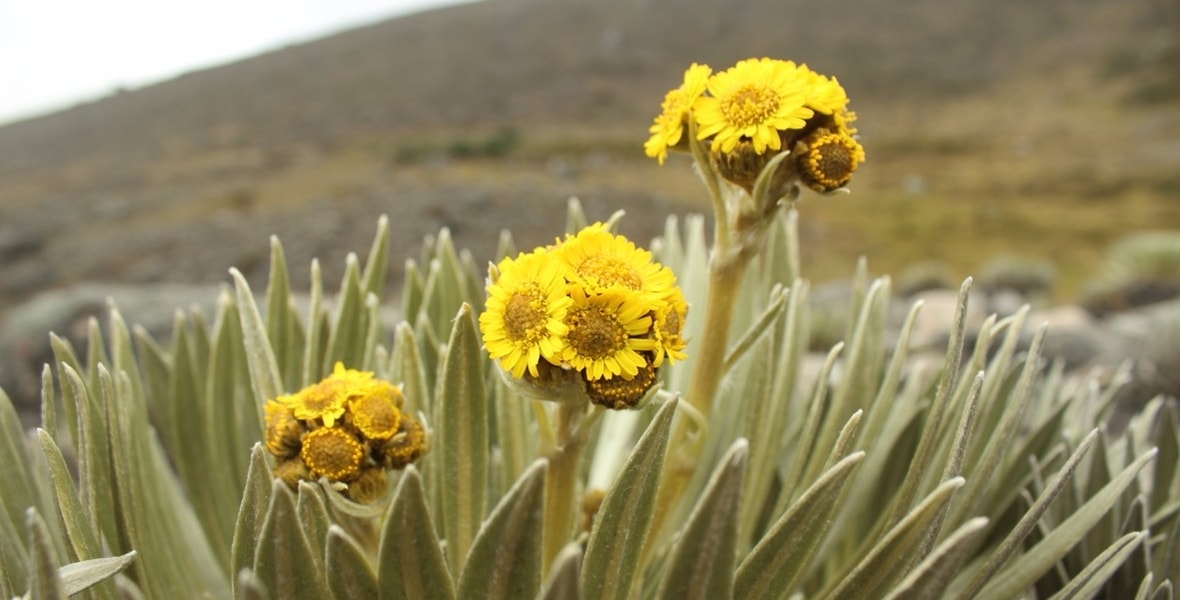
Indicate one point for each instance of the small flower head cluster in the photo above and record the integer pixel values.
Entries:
(593, 310)
(756, 109)
(349, 428)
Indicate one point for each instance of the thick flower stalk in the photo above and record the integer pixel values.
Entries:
(586, 321)
(348, 428)
(759, 132)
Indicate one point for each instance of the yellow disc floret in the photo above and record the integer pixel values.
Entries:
(829, 160)
(332, 452)
(603, 329)
(375, 414)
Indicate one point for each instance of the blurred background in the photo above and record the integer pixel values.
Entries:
(145, 150)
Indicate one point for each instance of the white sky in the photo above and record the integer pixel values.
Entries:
(55, 53)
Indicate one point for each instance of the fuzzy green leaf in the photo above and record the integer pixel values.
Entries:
(282, 328)
(1090, 580)
(348, 325)
(562, 583)
(247, 586)
(348, 570)
(406, 368)
(284, 559)
(79, 527)
(264, 369)
(153, 511)
(703, 557)
(887, 559)
(316, 347)
(313, 516)
(1000, 438)
(929, 580)
(505, 558)
(925, 453)
(783, 553)
(45, 582)
(83, 575)
(463, 437)
(1167, 439)
(410, 560)
(252, 513)
(621, 525)
(14, 470)
(413, 289)
(1011, 542)
(377, 262)
(1021, 574)
(760, 327)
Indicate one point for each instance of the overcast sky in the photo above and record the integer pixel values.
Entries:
(55, 53)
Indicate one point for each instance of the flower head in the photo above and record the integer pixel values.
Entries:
(599, 260)
(405, 447)
(339, 428)
(619, 393)
(588, 309)
(376, 414)
(606, 333)
(369, 485)
(667, 323)
(669, 125)
(828, 160)
(525, 311)
(283, 430)
(332, 452)
(755, 99)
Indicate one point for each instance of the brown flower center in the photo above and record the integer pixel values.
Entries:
(525, 314)
(594, 332)
(749, 105)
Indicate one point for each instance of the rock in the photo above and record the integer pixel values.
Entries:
(24, 329)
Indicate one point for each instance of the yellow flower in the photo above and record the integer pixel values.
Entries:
(599, 260)
(829, 160)
(327, 400)
(668, 320)
(283, 430)
(526, 306)
(825, 95)
(668, 127)
(755, 100)
(332, 452)
(607, 332)
(375, 414)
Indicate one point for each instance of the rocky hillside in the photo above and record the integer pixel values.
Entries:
(1045, 129)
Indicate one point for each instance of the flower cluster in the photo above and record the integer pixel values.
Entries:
(593, 309)
(755, 109)
(349, 428)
